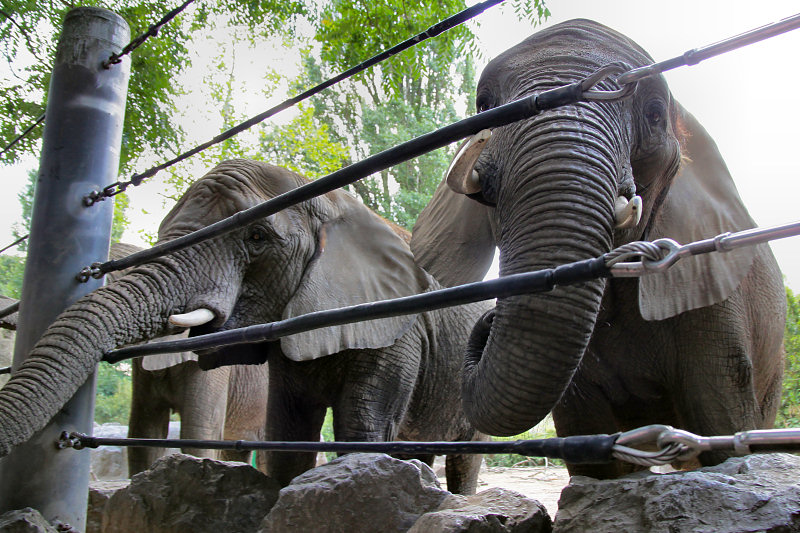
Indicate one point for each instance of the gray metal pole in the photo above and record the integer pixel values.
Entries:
(80, 153)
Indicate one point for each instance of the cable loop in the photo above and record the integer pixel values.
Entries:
(602, 74)
(643, 250)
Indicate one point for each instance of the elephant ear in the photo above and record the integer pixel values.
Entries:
(453, 239)
(166, 360)
(359, 259)
(702, 202)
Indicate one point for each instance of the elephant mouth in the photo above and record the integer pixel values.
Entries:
(238, 354)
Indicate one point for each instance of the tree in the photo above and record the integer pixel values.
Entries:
(789, 410)
(412, 93)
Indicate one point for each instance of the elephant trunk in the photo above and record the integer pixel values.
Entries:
(133, 309)
(555, 207)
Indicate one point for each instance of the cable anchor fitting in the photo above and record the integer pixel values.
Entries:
(69, 440)
(92, 271)
(98, 196)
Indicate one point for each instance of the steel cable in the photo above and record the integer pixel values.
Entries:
(433, 31)
(152, 31)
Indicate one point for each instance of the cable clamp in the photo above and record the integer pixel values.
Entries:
(107, 192)
(602, 74)
(70, 440)
(92, 271)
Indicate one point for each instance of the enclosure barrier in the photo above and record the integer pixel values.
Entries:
(499, 116)
(433, 31)
(673, 445)
(21, 136)
(655, 257)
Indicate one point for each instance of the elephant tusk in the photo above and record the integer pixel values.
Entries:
(627, 214)
(461, 176)
(198, 317)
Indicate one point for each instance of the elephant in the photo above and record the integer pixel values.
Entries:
(385, 378)
(224, 403)
(698, 347)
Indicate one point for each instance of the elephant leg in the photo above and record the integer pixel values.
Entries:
(149, 418)
(585, 410)
(203, 404)
(462, 470)
(714, 393)
(290, 418)
(246, 412)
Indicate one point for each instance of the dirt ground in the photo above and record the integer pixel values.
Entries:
(536, 482)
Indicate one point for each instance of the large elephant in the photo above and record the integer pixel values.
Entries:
(699, 347)
(394, 377)
(224, 403)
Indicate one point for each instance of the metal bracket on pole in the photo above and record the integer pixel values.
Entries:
(80, 153)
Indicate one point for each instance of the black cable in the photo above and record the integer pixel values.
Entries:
(152, 31)
(499, 116)
(21, 239)
(579, 449)
(433, 31)
(526, 283)
(10, 310)
(22, 136)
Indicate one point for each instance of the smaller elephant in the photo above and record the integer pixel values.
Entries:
(383, 379)
(225, 403)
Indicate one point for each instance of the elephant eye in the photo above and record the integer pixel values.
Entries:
(483, 103)
(654, 112)
(257, 236)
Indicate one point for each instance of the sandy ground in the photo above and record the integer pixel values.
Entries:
(536, 482)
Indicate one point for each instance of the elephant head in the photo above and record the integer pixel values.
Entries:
(568, 185)
(324, 253)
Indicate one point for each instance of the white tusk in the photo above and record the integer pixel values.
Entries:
(198, 317)
(627, 214)
(461, 176)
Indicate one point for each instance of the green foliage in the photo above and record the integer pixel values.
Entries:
(789, 410)
(28, 42)
(410, 94)
(113, 400)
(304, 146)
(11, 271)
(544, 430)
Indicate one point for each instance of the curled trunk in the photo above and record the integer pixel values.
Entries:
(552, 209)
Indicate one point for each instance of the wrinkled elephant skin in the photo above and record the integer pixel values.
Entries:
(387, 378)
(699, 348)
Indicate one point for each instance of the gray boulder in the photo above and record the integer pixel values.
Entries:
(493, 510)
(25, 520)
(185, 494)
(357, 492)
(743, 494)
(100, 493)
(109, 462)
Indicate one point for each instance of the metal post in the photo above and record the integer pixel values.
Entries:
(80, 153)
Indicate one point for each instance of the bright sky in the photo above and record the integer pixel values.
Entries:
(744, 99)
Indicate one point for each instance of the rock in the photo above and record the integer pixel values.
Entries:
(25, 520)
(357, 492)
(183, 494)
(493, 510)
(110, 462)
(99, 494)
(743, 494)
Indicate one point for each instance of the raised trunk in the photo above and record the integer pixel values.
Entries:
(554, 207)
(131, 310)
